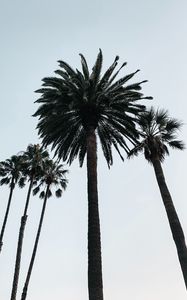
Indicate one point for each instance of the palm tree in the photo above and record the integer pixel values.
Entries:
(34, 157)
(11, 171)
(158, 131)
(54, 175)
(76, 107)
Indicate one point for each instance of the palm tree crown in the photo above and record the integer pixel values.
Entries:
(53, 174)
(158, 131)
(76, 102)
(35, 157)
(77, 106)
(12, 171)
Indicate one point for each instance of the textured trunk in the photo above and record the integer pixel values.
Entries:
(20, 244)
(25, 288)
(12, 185)
(95, 285)
(173, 219)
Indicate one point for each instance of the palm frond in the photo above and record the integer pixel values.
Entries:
(176, 144)
(5, 180)
(71, 73)
(84, 67)
(36, 190)
(58, 193)
(22, 182)
(173, 125)
(42, 195)
(96, 70)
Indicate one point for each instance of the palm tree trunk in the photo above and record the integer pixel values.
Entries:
(24, 293)
(95, 284)
(173, 219)
(12, 185)
(20, 244)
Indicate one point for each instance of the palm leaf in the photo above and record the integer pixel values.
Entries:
(84, 67)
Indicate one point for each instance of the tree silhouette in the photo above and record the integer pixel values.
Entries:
(11, 171)
(76, 108)
(34, 157)
(158, 131)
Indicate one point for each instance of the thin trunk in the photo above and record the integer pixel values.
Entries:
(173, 219)
(25, 288)
(12, 185)
(95, 284)
(20, 244)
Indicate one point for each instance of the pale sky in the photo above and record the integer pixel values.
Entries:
(139, 255)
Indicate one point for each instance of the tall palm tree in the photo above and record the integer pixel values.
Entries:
(76, 107)
(54, 175)
(34, 157)
(158, 131)
(11, 171)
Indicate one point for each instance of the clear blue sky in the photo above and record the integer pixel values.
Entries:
(139, 256)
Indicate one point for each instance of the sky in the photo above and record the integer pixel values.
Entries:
(138, 253)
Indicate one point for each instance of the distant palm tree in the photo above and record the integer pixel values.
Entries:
(34, 157)
(11, 171)
(54, 175)
(158, 131)
(75, 108)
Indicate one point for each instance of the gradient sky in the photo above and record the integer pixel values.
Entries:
(139, 256)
